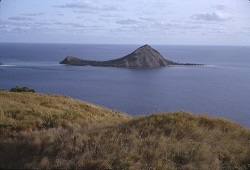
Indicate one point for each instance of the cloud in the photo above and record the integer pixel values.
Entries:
(127, 21)
(18, 18)
(4, 26)
(71, 24)
(161, 3)
(215, 16)
(11, 23)
(147, 19)
(175, 27)
(33, 14)
(81, 17)
(23, 28)
(220, 7)
(244, 30)
(87, 5)
(110, 16)
(42, 23)
(86, 11)
(9, 26)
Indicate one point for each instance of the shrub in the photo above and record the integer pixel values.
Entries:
(22, 89)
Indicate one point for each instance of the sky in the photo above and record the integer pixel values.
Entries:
(167, 22)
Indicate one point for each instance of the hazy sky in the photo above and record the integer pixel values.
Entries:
(185, 22)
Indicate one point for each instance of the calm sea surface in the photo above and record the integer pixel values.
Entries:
(220, 89)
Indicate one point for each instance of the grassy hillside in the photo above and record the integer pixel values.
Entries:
(49, 131)
(32, 112)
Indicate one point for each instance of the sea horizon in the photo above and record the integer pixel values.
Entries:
(139, 44)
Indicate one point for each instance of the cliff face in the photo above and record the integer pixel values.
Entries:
(144, 56)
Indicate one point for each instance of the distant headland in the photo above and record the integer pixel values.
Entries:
(1, 63)
(144, 56)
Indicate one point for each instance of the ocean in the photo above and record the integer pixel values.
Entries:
(221, 88)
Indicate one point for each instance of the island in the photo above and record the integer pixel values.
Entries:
(144, 56)
(1, 63)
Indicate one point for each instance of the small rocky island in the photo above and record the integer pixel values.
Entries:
(144, 56)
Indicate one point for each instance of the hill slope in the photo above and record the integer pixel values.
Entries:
(49, 131)
(29, 112)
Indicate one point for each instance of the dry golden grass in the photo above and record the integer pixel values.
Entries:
(56, 132)
(29, 112)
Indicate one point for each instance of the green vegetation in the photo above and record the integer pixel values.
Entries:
(22, 89)
(48, 131)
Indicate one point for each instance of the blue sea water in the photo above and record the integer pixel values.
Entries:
(220, 89)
